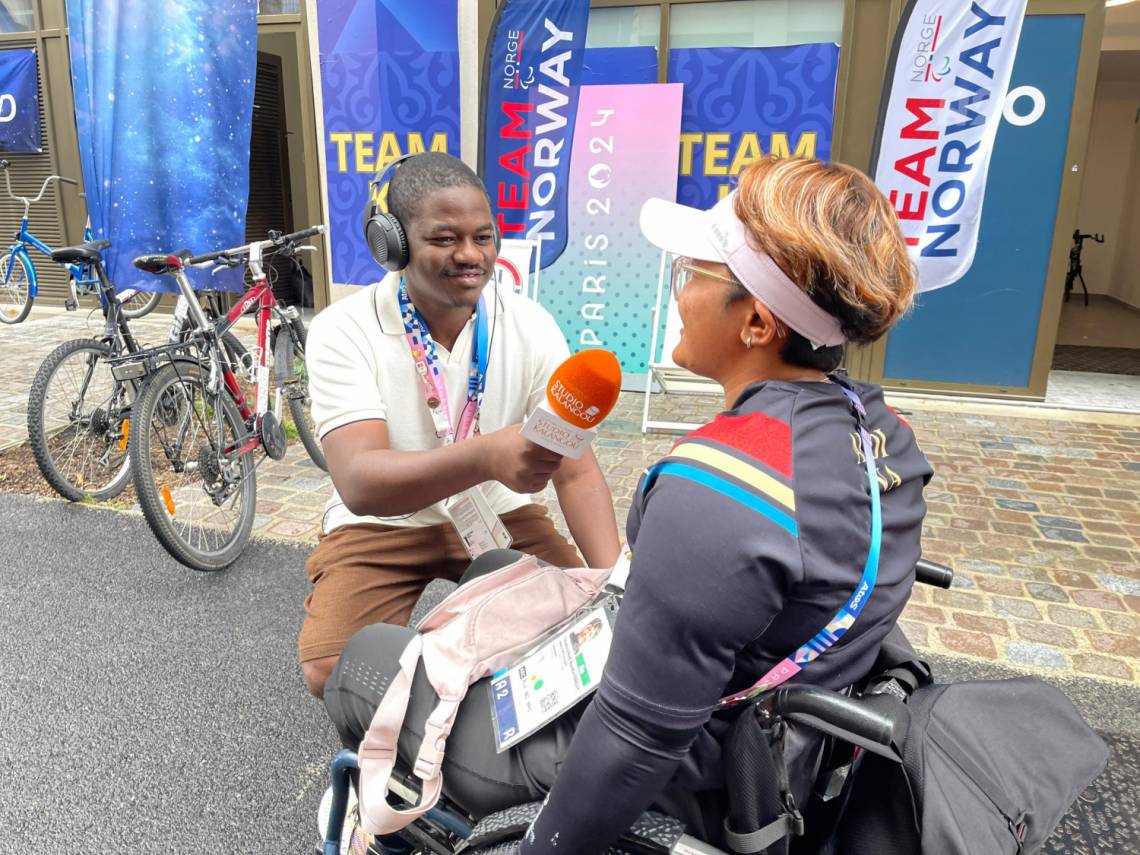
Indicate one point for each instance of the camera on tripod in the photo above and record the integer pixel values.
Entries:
(1075, 270)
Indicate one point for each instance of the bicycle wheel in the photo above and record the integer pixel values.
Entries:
(77, 422)
(197, 491)
(15, 289)
(141, 303)
(293, 379)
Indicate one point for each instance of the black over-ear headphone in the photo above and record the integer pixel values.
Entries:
(385, 235)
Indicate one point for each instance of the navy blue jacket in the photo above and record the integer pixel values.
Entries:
(747, 539)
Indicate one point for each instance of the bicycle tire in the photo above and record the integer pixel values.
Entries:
(45, 450)
(298, 394)
(19, 309)
(133, 308)
(189, 378)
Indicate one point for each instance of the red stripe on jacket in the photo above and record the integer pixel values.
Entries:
(758, 435)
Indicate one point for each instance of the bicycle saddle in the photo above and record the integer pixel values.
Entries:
(162, 263)
(86, 252)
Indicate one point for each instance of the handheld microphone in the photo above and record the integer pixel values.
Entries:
(581, 392)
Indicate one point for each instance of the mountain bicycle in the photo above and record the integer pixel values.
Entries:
(78, 411)
(196, 435)
(19, 284)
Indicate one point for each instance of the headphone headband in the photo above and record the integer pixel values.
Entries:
(375, 185)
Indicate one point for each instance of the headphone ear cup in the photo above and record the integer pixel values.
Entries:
(387, 242)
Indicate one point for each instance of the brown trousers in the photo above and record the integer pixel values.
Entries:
(366, 573)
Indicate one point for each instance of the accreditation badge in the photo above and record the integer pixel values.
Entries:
(554, 676)
(478, 526)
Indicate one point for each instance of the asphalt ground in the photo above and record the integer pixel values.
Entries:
(149, 708)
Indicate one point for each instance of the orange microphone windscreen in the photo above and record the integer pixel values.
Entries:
(584, 388)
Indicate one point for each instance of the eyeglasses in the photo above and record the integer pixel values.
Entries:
(684, 270)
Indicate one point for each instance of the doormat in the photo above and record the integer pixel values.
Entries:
(1103, 360)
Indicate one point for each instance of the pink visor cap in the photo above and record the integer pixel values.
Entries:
(718, 235)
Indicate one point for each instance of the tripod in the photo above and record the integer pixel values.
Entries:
(1075, 270)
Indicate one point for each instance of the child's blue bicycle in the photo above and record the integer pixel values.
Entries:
(18, 282)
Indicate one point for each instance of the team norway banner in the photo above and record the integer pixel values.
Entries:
(532, 69)
(938, 119)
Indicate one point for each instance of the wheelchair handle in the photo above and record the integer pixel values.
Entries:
(871, 721)
(929, 573)
(343, 765)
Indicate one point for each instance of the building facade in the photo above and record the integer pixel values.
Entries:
(993, 333)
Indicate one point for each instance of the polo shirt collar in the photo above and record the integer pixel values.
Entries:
(388, 304)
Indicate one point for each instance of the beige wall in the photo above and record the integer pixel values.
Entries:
(1106, 196)
(1126, 268)
(1113, 178)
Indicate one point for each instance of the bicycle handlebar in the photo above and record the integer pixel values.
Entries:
(274, 240)
(4, 165)
(304, 233)
(209, 256)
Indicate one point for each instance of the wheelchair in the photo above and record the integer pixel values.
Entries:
(870, 717)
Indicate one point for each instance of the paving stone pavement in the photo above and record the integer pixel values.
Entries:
(1037, 510)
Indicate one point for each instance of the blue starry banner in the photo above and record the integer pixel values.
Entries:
(164, 108)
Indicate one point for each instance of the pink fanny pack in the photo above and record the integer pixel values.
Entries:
(484, 626)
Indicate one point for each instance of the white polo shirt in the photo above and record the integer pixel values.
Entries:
(360, 367)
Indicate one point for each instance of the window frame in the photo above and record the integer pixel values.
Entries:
(33, 29)
(280, 17)
(663, 37)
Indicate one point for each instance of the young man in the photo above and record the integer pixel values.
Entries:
(403, 457)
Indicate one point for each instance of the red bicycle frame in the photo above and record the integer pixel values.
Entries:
(261, 296)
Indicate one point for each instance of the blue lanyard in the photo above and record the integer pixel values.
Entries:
(822, 641)
(431, 373)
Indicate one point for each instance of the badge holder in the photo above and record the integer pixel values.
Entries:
(554, 676)
(478, 526)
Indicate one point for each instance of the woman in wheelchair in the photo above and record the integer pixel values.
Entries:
(752, 540)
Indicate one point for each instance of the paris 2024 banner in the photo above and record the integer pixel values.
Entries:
(601, 288)
(687, 140)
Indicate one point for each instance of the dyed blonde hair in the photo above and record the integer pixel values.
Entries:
(831, 230)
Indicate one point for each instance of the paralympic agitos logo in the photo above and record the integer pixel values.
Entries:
(926, 65)
(514, 75)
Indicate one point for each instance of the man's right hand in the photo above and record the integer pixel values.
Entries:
(518, 463)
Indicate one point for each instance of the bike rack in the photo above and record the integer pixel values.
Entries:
(134, 366)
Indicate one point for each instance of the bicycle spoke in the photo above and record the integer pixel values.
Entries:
(81, 411)
(202, 492)
(14, 287)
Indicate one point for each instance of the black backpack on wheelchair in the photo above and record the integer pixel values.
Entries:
(909, 767)
(915, 768)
